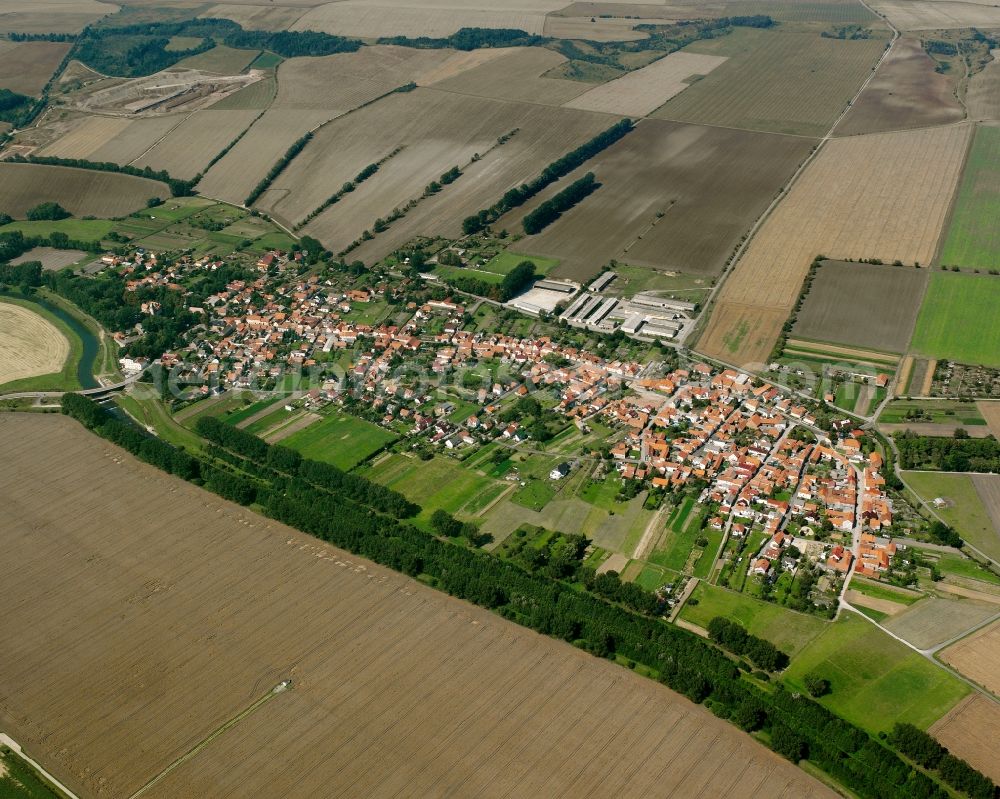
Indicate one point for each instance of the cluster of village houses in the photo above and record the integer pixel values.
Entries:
(719, 430)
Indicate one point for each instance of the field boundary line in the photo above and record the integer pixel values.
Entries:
(194, 750)
(710, 301)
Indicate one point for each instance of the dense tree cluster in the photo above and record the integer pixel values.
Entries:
(561, 167)
(610, 586)
(550, 210)
(948, 454)
(798, 727)
(47, 212)
(513, 283)
(470, 39)
(923, 750)
(277, 169)
(732, 636)
(12, 105)
(134, 50)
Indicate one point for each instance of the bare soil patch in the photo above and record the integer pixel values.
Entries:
(141, 625)
(862, 305)
(970, 731)
(905, 93)
(977, 657)
(27, 66)
(983, 94)
(82, 192)
(30, 345)
(882, 196)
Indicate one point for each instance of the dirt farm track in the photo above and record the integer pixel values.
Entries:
(141, 614)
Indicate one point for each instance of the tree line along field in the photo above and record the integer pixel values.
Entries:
(672, 197)
(973, 238)
(906, 92)
(862, 305)
(775, 80)
(82, 192)
(223, 604)
(943, 327)
(882, 195)
(436, 131)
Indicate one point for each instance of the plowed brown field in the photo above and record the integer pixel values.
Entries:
(141, 613)
(879, 196)
(905, 93)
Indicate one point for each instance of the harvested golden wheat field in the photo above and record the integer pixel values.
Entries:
(255, 17)
(971, 731)
(51, 16)
(519, 74)
(131, 142)
(188, 148)
(917, 15)
(977, 656)
(88, 135)
(141, 613)
(983, 95)
(82, 192)
(593, 29)
(881, 196)
(639, 93)
(30, 345)
(338, 83)
(370, 20)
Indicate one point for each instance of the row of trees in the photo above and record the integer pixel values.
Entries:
(732, 636)
(470, 39)
(315, 473)
(797, 727)
(561, 167)
(347, 188)
(178, 188)
(923, 750)
(947, 454)
(550, 210)
(278, 168)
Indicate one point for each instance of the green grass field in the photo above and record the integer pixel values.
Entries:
(880, 591)
(339, 439)
(958, 319)
(875, 680)
(505, 262)
(938, 411)
(438, 483)
(965, 510)
(143, 405)
(786, 629)
(79, 229)
(973, 237)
